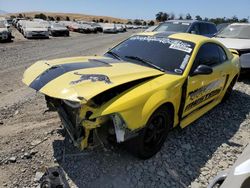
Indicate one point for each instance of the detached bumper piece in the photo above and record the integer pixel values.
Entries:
(84, 131)
(53, 177)
(236, 177)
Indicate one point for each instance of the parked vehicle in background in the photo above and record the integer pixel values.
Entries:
(56, 29)
(236, 36)
(188, 26)
(128, 26)
(19, 25)
(109, 28)
(33, 29)
(9, 21)
(121, 28)
(16, 20)
(5, 32)
(75, 27)
(220, 27)
(5, 22)
(97, 26)
(66, 23)
(87, 28)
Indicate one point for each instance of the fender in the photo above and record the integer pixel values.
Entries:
(157, 100)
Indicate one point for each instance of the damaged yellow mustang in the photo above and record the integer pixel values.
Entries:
(138, 90)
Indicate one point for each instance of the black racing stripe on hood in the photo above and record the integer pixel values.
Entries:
(58, 70)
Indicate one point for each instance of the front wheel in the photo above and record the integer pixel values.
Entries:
(153, 136)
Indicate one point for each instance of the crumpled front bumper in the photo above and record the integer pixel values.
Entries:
(82, 129)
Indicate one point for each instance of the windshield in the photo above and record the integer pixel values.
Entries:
(169, 54)
(235, 31)
(173, 27)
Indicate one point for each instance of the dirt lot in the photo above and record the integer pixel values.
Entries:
(31, 139)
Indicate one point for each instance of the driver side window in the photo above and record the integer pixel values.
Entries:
(208, 55)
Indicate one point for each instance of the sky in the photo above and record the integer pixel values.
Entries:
(133, 9)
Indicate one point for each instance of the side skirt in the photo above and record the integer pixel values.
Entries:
(198, 113)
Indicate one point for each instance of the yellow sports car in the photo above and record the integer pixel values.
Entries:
(139, 90)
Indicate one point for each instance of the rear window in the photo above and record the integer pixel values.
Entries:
(173, 27)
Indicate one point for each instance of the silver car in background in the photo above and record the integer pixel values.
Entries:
(236, 36)
(33, 29)
(109, 28)
(56, 29)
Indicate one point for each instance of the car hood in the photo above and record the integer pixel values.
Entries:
(81, 78)
(109, 28)
(237, 44)
(59, 28)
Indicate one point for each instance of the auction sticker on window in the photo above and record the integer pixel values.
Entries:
(181, 47)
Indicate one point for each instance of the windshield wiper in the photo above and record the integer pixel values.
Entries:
(114, 55)
(145, 62)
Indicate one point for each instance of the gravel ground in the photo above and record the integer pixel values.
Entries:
(31, 140)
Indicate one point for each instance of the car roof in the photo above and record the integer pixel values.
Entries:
(181, 36)
(189, 21)
(240, 24)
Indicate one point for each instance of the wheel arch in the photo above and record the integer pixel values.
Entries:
(170, 107)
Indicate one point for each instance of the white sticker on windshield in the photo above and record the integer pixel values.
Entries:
(184, 62)
(181, 47)
(178, 71)
(161, 40)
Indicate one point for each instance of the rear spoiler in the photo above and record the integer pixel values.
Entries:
(234, 51)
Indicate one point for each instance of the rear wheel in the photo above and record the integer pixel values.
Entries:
(153, 136)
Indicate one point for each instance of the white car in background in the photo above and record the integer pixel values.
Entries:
(121, 28)
(33, 29)
(109, 28)
(236, 36)
(97, 26)
(5, 32)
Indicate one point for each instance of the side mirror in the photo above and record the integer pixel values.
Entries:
(193, 32)
(202, 70)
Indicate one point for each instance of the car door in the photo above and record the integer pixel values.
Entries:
(204, 89)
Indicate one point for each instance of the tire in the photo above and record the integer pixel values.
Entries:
(229, 90)
(152, 137)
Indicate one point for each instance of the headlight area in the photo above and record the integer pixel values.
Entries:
(121, 130)
(86, 132)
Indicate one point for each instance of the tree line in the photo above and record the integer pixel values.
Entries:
(164, 16)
